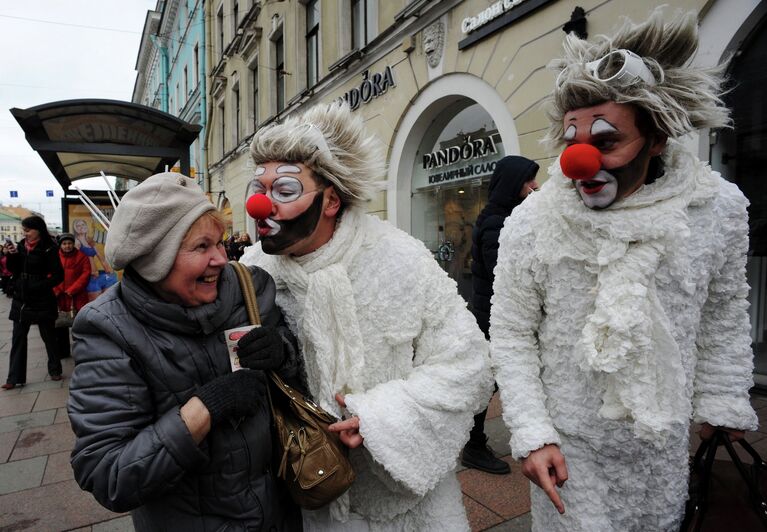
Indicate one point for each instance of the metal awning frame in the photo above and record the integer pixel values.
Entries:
(31, 121)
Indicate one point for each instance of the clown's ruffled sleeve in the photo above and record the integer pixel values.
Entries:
(724, 369)
(514, 319)
(415, 426)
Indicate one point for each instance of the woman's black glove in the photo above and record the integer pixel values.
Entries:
(234, 395)
(262, 348)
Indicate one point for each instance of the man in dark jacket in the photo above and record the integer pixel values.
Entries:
(512, 181)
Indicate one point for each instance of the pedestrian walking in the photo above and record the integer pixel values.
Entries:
(36, 270)
(71, 293)
(512, 181)
(6, 283)
(243, 242)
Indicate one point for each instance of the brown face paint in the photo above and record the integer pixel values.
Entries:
(616, 183)
(292, 231)
(631, 175)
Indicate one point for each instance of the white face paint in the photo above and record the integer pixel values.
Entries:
(569, 133)
(601, 126)
(288, 169)
(260, 170)
(274, 227)
(598, 192)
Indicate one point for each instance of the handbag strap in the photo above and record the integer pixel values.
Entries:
(251, 305)
(704, 461)
(248, 291)
(249, 296)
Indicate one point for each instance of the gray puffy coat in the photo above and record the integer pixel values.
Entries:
(138, 360)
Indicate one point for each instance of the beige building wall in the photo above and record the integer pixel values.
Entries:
(507, 68)
(10, 228)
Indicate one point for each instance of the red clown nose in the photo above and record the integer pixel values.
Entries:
(259, 206)
(580, 161)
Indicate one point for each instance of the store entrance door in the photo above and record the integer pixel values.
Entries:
(451, 175)
(447, 217)
(740, 154)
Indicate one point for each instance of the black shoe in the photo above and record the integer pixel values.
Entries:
(481, 457)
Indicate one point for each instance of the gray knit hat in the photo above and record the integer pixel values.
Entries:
(149, 224)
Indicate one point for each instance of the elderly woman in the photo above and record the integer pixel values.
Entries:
(387, 340)
(71, 294)
(164, 427)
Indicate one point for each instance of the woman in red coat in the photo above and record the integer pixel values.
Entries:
(77, 273)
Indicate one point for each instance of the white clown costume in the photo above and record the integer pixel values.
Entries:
(378, 319)
(612, 329)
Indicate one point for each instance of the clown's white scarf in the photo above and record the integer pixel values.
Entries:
(333, 350)
(330, 334)
(628, 336)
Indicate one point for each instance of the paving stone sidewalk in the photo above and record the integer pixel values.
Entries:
(38, 492)
(37, 489)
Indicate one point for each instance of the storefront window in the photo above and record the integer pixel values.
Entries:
(739, 154)
(449, 187)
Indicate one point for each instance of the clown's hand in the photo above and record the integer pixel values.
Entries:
(546, 467)
(348, 429)
(707, 430)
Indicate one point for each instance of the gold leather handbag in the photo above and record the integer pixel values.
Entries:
(311, 460)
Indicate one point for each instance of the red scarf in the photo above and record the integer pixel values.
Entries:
(30, 245)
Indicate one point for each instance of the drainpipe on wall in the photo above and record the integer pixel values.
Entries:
(207, 129)
(163, 73)
(206, 185)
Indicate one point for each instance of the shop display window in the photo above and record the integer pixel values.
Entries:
(451, 173)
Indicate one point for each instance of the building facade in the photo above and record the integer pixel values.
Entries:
(10, 227)
(449, 87)
(171, 70)
(239, 94)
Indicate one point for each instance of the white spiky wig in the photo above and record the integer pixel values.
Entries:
(331, 141)
(683, 99)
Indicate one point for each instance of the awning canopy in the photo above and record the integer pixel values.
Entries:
(82, 138)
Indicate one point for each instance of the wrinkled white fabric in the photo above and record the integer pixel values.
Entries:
(611, 328)
(425, 369)
(628, 335)
(319, 281)
(334, 351)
